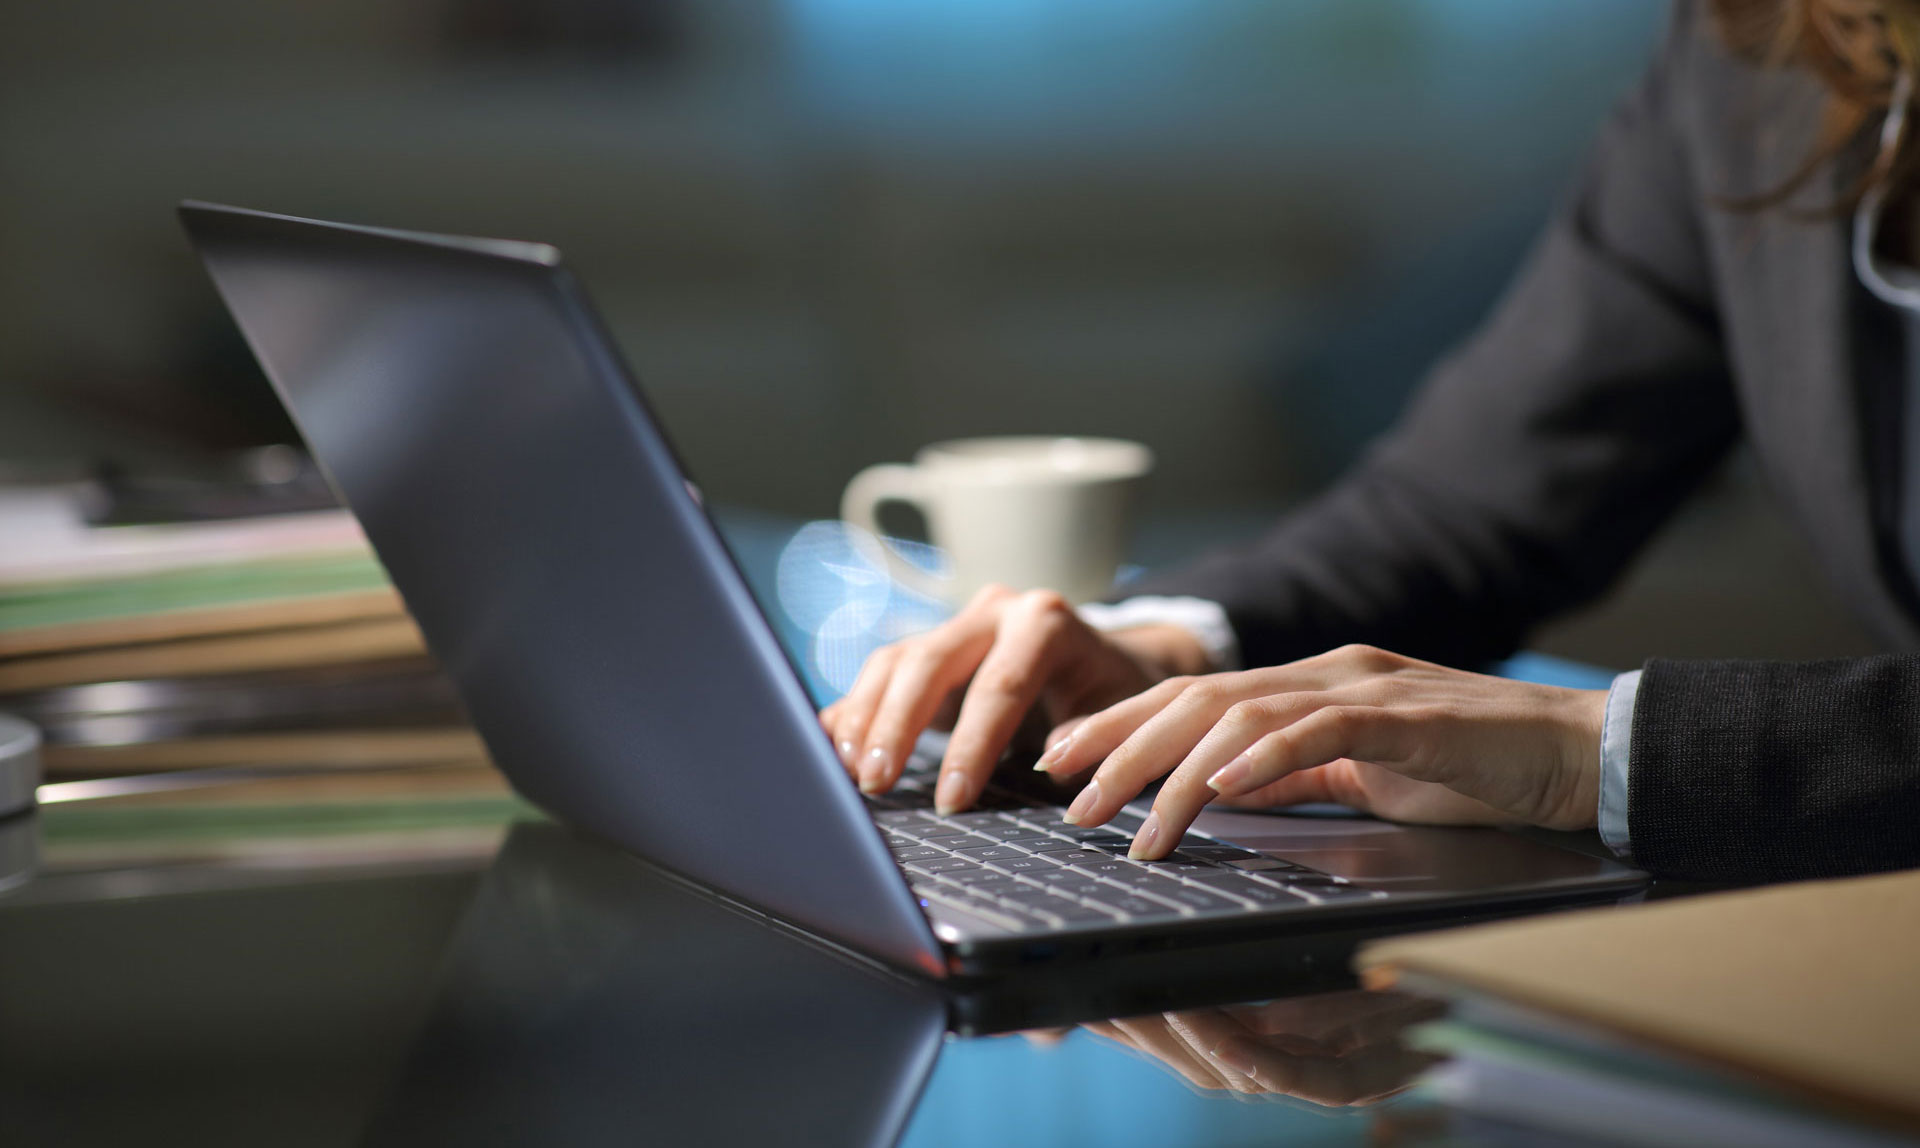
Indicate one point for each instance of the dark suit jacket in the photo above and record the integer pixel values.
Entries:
(1650, 329)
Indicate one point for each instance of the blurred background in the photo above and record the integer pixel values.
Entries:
(829, 231)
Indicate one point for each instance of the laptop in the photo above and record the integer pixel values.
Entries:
(469, 406)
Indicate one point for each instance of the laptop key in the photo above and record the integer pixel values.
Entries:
(999, 886)
(1011, 832)
(1130, 874)
(1265, 865)
(1077, 912)
(941, 864)
(918, 853)
(1078, 857)
(976, 818)
(990, 911)
(964, 841)
(932, 829)
(1335, 894)
(1089, 891)
(969, 873)
(1059, 875)
(1024, 864)
(1140, 908)
(1113, 870)
(1050, 845)
(1247, 889)
(1308, 880)
(1221, 852)
(993, 853)
(1096, 834)
(1194, 897)
(1181, 868)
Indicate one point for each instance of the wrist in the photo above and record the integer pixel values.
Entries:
(1583, 720)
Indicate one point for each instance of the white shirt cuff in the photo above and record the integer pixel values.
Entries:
(1616, 735)
(1206, 621)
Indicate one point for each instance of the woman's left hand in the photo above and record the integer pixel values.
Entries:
(1400, 738)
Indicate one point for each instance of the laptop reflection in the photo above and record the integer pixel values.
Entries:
(589, 997)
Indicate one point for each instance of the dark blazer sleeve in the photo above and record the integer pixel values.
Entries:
(1539, 457)
(1745, 771)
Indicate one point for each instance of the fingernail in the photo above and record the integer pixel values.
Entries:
(1143, 841)
(1083, 804)
(1230, 778)
(848, 751)
(874, 770)
(952, 793)
(1232, 1057)
(1054, 753)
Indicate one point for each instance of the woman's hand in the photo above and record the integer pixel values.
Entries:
(993, 662)
(1397, 737)
(1334, 1049)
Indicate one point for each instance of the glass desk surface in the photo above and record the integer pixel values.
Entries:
(412, 956)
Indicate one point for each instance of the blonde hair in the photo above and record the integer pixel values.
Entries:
(1858, 49)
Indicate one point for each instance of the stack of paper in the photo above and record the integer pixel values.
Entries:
(1786, 1016)
(270, 639)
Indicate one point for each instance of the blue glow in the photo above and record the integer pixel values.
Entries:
(832, 586)
(1085, 1090)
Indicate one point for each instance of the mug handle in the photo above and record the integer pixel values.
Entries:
(860, 504)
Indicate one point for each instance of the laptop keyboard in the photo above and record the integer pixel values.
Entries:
(1022, 868)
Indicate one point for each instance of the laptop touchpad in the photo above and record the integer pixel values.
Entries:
(1403, 858)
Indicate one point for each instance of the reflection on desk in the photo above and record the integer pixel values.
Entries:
(589, 997)
(269, 962)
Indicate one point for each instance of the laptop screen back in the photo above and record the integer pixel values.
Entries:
(472, 412)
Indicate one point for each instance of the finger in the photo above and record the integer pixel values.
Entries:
(1026, 647)
(1089, 742)
(1205, 1030)
(1338, 1023)
(922, 677)
(1364, 733)
(1187, 792)
(854, 712)
(1327, 783)
(1151, 1035)
(1045, 1037)
(1331, 1082)
(1154, 748)
(1062, 732)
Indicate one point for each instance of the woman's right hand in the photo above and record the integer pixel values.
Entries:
(986, 668)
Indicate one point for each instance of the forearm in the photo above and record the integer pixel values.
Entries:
(1767, 771)
(1536, 461)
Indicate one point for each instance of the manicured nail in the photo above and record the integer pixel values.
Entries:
(848, 751)
(952, 793)
(1054, 753)
(874, 770)
(1230, 1055)
(1232, 777)
(1144, 840)
(1083, 804)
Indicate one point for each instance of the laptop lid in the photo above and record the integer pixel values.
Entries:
(471, 410)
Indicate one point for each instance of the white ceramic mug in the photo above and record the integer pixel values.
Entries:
(1028, 512)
